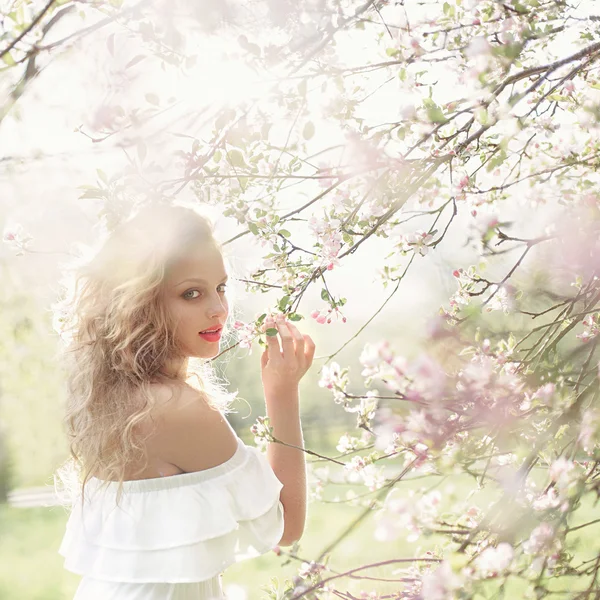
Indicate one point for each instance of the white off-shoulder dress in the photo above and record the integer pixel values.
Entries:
(172, 537)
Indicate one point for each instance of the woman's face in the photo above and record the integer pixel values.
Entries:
(195, 297)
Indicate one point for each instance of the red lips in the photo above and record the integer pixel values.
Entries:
(213, 330)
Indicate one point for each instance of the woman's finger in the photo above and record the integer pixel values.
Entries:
(298, 338)
(273, 350)
(287, 340)
(309, 349)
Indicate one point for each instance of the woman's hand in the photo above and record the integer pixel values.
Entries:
(283, 368)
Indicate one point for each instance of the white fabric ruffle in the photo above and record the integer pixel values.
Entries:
(177, 529)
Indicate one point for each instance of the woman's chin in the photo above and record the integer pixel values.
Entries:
(209, 352)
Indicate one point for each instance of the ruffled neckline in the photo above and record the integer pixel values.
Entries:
(174, 481)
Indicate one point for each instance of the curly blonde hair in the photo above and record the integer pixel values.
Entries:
(118, 334)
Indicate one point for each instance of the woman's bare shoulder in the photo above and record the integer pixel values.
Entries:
(190, 433)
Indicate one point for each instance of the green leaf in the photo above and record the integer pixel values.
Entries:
(152, 99)
(102, 175)
(497, 160)
(283, 303)
(253, 228)
(285, 233)
(324, 295)
(96, 193)
(261, 318)
(309, 130)
(236, 158)
(8, 59)
(295, 317)
(482, 116)
(435, 114)
(272, 331)
(135, 60)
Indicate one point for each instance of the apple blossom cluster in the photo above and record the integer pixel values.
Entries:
(589, 432)
(309, 569)
(567, 475)
(408, 515)
(262, 431)
(60, 321)
(502, 299)
(417, 380)
(462, 297)
(436, 419)
(17, 238)
(365, 410)
(329, 241)
(494, 561)
(591, 324)
(348, 443)
(363, 471)
(544, 544)
(323, 316)
(439, 583)
(334, 378)
(246, 334)
(418, 242)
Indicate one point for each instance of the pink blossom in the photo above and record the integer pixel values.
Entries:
(15, 236)
(493, 561)
(478, 45)
(355, 464)
(347, 443)
(541, 538)
(330, 375)
(439, 584)
(336, 379)
(591, 324)
(387, 426)
(589, 431)
(544, 393)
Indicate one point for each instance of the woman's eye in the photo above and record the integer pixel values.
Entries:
(185, 295)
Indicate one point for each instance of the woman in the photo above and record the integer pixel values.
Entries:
(167, 495)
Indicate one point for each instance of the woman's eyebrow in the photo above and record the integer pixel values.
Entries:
(198, 280)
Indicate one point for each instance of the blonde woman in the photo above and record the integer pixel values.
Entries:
(167, 495)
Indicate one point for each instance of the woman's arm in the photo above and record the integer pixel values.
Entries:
(288, 464)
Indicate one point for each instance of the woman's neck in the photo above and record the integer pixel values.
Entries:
(176, 368)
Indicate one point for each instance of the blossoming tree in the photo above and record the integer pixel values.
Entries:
(413, 123)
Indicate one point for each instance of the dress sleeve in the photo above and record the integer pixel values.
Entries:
(183, 528)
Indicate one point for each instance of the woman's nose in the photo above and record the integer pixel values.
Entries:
(218, 309)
